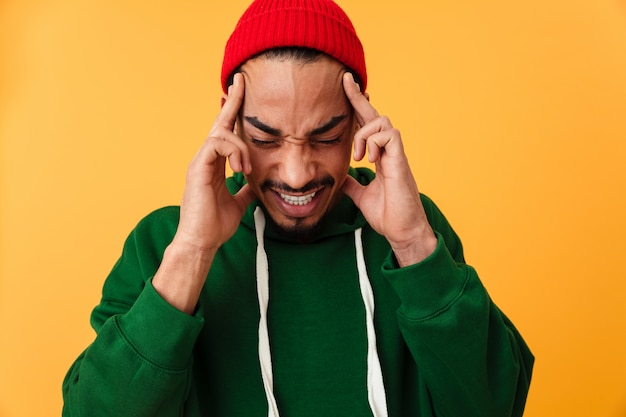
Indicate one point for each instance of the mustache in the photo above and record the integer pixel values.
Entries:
(310, 186)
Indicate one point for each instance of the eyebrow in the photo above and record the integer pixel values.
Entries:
(334, 121)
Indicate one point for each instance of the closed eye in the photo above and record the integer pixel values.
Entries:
(327, 142)
(263, 143)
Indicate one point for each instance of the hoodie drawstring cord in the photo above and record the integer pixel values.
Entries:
(375, 388)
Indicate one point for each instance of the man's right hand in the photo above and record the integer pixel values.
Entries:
(209, 214)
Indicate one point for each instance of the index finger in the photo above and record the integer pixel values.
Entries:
(364, 111)
(232, 104)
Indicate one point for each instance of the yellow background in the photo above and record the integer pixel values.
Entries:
(513, 115)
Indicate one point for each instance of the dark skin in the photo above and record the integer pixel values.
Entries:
(293, 138)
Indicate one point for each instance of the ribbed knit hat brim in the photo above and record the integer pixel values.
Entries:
(315, 24)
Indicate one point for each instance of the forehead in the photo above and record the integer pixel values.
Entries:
(293, 96)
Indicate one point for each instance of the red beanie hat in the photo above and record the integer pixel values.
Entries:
(315, 24)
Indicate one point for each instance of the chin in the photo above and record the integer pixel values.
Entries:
(300, 229)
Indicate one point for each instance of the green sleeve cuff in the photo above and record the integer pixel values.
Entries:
(428, 287)
(159, 332)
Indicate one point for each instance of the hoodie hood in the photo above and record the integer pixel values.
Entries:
(345, 217)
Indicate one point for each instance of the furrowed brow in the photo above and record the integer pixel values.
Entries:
(333, 122)
(325, 128)
(263, 127)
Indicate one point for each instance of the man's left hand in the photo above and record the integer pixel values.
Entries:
(391, 202)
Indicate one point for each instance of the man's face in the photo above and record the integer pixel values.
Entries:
(298, 126)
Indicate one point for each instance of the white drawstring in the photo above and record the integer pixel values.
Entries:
(375, 387)
(263, 292)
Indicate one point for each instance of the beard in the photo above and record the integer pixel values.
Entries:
(298, 229)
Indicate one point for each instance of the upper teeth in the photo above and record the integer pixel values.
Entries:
(297, 200)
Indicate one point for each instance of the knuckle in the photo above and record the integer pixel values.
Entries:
(218, 135)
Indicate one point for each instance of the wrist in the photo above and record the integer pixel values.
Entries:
(191, 246)
(182, 273)
(190, 242)
(416, 250)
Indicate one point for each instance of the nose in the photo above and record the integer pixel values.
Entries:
(296, 166)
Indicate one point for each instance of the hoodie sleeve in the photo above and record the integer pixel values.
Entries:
(139, 362)
(474, 361)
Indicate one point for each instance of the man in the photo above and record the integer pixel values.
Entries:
(300, 286)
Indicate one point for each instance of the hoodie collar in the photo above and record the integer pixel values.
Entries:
(345, 217)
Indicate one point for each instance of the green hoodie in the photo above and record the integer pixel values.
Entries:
(445, 349)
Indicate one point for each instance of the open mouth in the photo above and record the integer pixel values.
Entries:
(299, 200)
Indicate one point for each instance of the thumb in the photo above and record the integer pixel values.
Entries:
(353, 189)
(244, 197)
